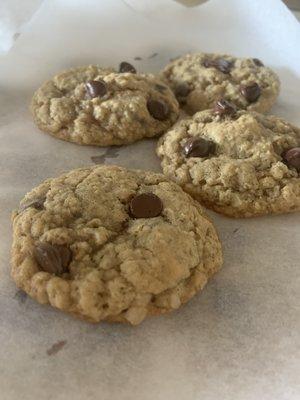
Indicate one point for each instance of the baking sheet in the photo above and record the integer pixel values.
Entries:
(239, 339)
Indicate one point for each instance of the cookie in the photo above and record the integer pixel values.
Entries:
(106, 243)
(198, 80)
(238, 163)
(95, 106)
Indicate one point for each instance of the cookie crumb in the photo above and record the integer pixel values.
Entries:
(138, 58)
(20, 296)
(111, 152)
(56, 347)
(153, 55)
(98, 159)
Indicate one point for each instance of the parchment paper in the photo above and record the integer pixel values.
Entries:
(239, 339)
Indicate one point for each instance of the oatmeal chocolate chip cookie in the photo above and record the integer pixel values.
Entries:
(95, 106)
(106, 243)
(198, 80)
(240, 163)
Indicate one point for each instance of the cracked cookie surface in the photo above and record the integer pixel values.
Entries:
(241, 165)
(95, 106)
(199, 79)
(89, 244)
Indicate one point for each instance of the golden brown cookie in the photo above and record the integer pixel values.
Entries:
(95, 106)
(106, 243)
(199, 79)
(238, 163)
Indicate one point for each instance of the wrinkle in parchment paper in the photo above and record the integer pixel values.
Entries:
(13, 15)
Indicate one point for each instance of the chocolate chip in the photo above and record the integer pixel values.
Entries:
(126, 67)
(208, 64)
(223, 107)
(38, 204)
(292, 157)
(182, 89)
(54, 259)
(96, 88)
(158, 109)
(222, 65)
(146, 205)
(198, 147)
(258, 62)
(251, 92)
(160, 88)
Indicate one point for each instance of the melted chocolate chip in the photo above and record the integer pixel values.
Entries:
(198, 147)
(54, 259)
(96, 88)
(223, 107)
(257, 62)
(146, 205)
(38, 204)
(182, 90)
(126, 67)
(220, 64)
(292, 157)
(158, 109)
(251, 92)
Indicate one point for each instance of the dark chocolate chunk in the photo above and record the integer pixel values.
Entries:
(158, 109)
(223, 107)
(182, 89)
(54, 259)
(126, 67)
(251, 92)
(96, 88)
(257, 62)
(38, 204)
(198, 147)
(146, 205)
(292, 157)
(220, 64)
